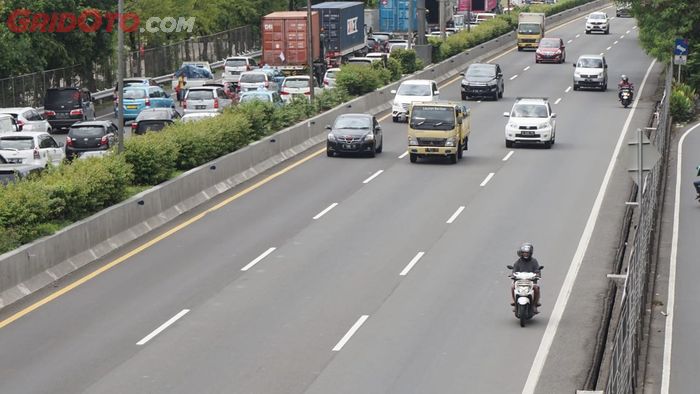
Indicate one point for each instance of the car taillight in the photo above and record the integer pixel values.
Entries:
(37, 156)
(216, 103)
(134, 126)
(69, 141)
(184, 104)
(104, 140)
(49, 113)
(75, 112)
(248, 68)
(283, 93)
(308, 93)
(20, 123)
(148, 102)
(267, 84)
(326, 82)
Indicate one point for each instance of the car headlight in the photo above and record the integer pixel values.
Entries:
(543, 125)
(512, 125)
(493, 82)
(577, 75)
(450, 142)
(411, 141)
(369, 137)
(331, 137)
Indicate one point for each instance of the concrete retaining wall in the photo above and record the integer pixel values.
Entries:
(38, 264)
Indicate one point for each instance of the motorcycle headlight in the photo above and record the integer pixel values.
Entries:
(450, 142)
(543, 125)
(331, 137)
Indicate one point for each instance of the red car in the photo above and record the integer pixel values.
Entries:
(550, 50)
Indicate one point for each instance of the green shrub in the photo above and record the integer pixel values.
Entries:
(292, 113)
(86, 186)
(331, 98)
(394, 67)
(407, 59)
(260, 116)
(152, 156)
(358, 80)
(25, 207)
(682, 102)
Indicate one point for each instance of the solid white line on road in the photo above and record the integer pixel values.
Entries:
(454, 215)
(508, 156)
(403, 155)
(162, 327)
(578, 35)
(569, 42)
(615, 42)
(526, 68)
(488, 178)
(567, 89)
(258, 259)
(567, 286)
(513, 77)
(350, 333)
(558, 100)
(413, 262)
(608, 48)
(325, 211)
(670, 302)
(376, 174)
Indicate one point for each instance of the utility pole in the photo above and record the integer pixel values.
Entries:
(442, 19)
(420, 20)
(410, 23)
(120, 74)
(310, 50)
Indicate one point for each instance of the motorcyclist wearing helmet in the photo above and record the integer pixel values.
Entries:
(624, 83)
(697, 185)
(526, 263)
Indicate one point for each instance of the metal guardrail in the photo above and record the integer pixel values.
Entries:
(624, 360)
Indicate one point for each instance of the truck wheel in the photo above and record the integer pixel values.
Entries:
(459, 151)
(453, 159)
(413, 157)
(548, 144)
(575, 87)
(509, 144)
(466, 143)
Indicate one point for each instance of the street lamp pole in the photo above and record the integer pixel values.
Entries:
(120, 74)
(310, 50)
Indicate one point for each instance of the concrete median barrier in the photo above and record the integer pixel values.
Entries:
(36, 265)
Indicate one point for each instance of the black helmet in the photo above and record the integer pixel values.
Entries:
(624, 78)
(526, 251)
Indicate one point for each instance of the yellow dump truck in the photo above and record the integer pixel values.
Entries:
(530, 29)
(438, 129)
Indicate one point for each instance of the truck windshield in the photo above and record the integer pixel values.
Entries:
(529, 28)
(432, 118)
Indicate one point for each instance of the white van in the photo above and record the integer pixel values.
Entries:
(416, 90)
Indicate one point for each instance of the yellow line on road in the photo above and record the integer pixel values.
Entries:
(152, 242)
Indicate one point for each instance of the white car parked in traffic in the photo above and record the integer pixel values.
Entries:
(415, 90)
(531, 121)
(28, 118)
(31, 147)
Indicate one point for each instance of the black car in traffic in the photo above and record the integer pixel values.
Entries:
(66, 106)
(154, 119)
(96, 135)
(482, 80)
(354, 133)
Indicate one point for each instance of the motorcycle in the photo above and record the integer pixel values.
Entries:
(626, 97)
(524, 294)
(697, 189)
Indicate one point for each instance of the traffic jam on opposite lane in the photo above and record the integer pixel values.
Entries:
(488, 159)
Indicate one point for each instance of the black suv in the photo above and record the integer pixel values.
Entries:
(65, 106)
(88, 136)
(482, 80)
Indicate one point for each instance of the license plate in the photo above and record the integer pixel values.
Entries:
(528, 132)
(431, 150)
(61, 116)
(200, 107)
(131, 107)
(588, 80)
(348, 146)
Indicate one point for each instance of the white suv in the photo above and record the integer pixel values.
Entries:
(415, 90)
(598, 21)
(531, 122)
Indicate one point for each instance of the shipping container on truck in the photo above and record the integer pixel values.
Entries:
(284, 40)
(342, 25)
(475, 6)
(394, 14)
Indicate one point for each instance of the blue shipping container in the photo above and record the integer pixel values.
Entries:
(343, 26)
(394, 14)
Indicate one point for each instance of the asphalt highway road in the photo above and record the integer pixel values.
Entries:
(685, 354)
(338, 278)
